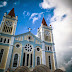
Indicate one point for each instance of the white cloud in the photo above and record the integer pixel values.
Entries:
(62, 29)
(68, 63)
(3, 4)
(47, 4)
(28, 13)
(25, 13)
(34, 19)
(35, 16)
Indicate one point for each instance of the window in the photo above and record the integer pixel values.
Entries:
(38, 49)
(38, 60)
(27, 59)
(21, 38)
(49, 61)
(15, 60)
(28, 47)
(46, 38)
(1, 39)
(1, 54)
(31, 61)
(24, 59)
(29, 37)
(48, 47)
(5, 40)
(8, 41)
(17, 45)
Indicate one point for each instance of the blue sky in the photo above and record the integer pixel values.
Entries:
(58, 13)
(30, 14)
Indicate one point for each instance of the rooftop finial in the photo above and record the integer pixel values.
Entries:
(29, 29)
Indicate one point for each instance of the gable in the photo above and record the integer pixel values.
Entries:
(28, 37)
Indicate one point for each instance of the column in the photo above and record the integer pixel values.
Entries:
(43, 54)
(25, 59)
(29, 60)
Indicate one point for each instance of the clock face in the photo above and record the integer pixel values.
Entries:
(8, 23)
(47, 33)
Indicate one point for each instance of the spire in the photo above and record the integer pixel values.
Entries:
(11, 13)
(44, 22)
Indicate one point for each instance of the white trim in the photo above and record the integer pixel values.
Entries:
(43, 54)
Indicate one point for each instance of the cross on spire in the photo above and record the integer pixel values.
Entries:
(29, 29)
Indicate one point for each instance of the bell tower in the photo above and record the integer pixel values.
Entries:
(8, 24)
(7, 32)
(44, 32)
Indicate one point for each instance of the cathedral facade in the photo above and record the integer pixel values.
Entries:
(25, 49)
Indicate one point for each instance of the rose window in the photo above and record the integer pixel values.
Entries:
(28, 47)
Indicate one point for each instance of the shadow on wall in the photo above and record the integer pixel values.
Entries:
(39, 68)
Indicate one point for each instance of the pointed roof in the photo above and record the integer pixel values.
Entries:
(44, 22)
(11, 13)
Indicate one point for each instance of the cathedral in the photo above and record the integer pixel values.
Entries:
(25, 49)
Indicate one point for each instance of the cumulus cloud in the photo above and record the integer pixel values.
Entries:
(62, 27)
(2, 4)
(68, 63)
(35, 16)
(47, 4)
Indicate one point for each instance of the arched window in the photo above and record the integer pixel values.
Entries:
(15, 60)
(1, 54)
(5, 40)
(1, 39)
(38, 60)
(27, 59)
(48, 47)
(8, 41)
(46, 38)
(49, 58)
(31, 61)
